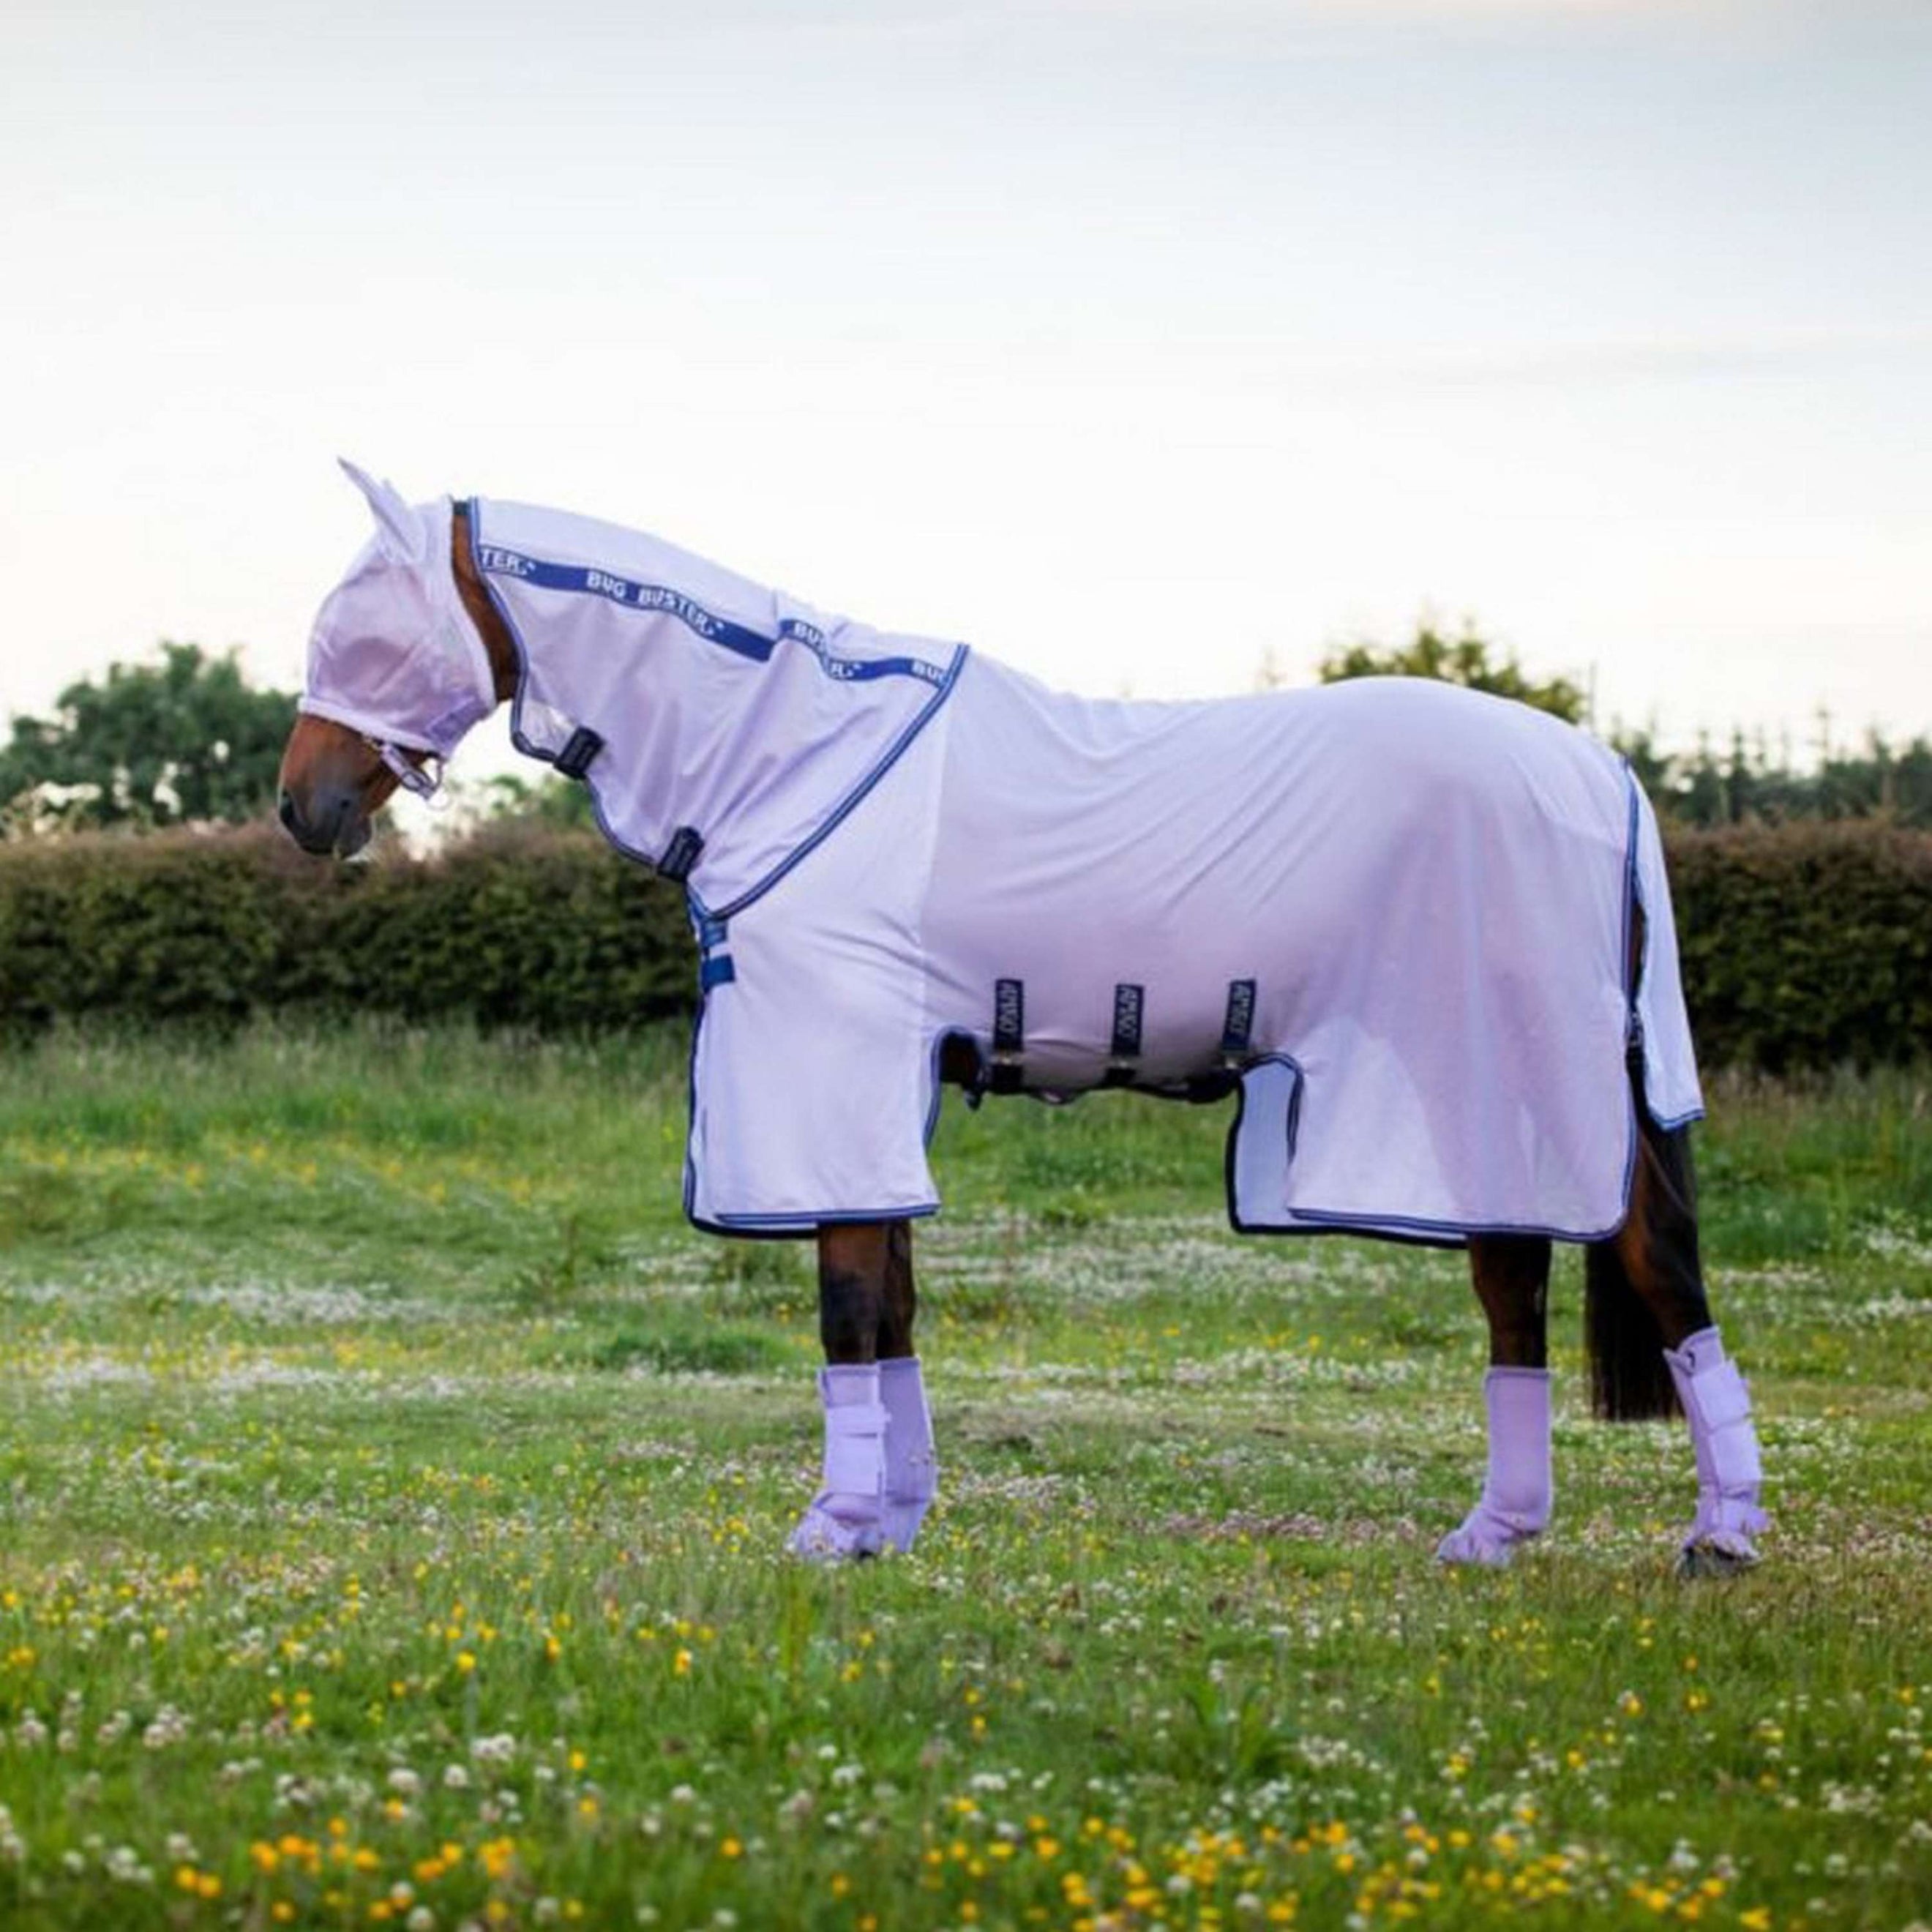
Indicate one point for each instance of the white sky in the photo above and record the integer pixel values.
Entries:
(1126, 339)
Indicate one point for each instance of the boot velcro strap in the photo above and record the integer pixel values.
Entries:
(855, 1448)
(1735, 1460)
(1721, 1396)
(1723, 1400)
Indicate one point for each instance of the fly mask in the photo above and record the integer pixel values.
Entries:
(394, 655)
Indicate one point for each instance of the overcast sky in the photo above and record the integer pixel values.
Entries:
(1127, 341)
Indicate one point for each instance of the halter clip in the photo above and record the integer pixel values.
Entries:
(419, 780)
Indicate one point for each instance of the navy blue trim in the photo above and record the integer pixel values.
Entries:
(659, 599)
(495, 561)
(856, 670)
(778, 1227)
(844, 808)
(717, 970)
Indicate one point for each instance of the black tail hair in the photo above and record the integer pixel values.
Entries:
(1630, 1380)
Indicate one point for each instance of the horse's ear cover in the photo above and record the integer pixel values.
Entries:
(394, 655)
(401, 530)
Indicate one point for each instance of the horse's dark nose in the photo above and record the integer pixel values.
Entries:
(322, 832)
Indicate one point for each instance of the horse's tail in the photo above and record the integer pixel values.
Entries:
(1630, 1380)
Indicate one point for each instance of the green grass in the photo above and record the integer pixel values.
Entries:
(391, 1491)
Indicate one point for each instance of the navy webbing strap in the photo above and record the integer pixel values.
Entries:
(1239, 1026)
(1125, 1048)
(579, 748)
(1009, 1036)
(681, 854)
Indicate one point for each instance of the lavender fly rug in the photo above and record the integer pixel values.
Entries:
(1396, 916)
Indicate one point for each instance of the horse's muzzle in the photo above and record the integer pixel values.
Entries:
(335, 823)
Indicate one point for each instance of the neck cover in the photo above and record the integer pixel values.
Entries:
(394, 655)
(739, 725)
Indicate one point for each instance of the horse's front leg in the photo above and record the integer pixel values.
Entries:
(1512, 1280)
(879, 1470)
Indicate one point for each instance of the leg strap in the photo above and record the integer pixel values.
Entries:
(844, 1518)
(855, 1460)
(912, 1466)
(1516, 1489)
(1717, 1404)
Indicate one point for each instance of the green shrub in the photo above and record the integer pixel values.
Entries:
(1807, 945)
(1804, 946)
(517, 926)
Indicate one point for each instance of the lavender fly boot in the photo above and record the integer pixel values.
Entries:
(1717, 1404)
(1515, 1503)
(912, 1468)
(846, 1518)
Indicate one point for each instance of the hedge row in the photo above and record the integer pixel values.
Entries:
(519, 926)
(1804, 946)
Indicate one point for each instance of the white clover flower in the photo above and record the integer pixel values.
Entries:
(169, 1727)
(455, 1778)
(404, 1782)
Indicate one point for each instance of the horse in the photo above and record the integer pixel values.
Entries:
(1423, 935)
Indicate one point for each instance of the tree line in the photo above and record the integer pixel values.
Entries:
(184, 738)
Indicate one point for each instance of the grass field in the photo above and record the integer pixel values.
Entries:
(391, 1492)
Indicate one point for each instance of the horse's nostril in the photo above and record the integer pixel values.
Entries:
(285, 810)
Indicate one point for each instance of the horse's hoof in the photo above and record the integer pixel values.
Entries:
(1698, 1561)
(823, 1537)
(1487, 1539)
(1462, 1550)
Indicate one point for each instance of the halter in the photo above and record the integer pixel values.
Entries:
(419, 780)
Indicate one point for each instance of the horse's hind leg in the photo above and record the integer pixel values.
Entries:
(1647, 1316)
(879, 1470)
(1511, 1273)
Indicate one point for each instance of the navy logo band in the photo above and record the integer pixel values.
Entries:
(714, 629)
